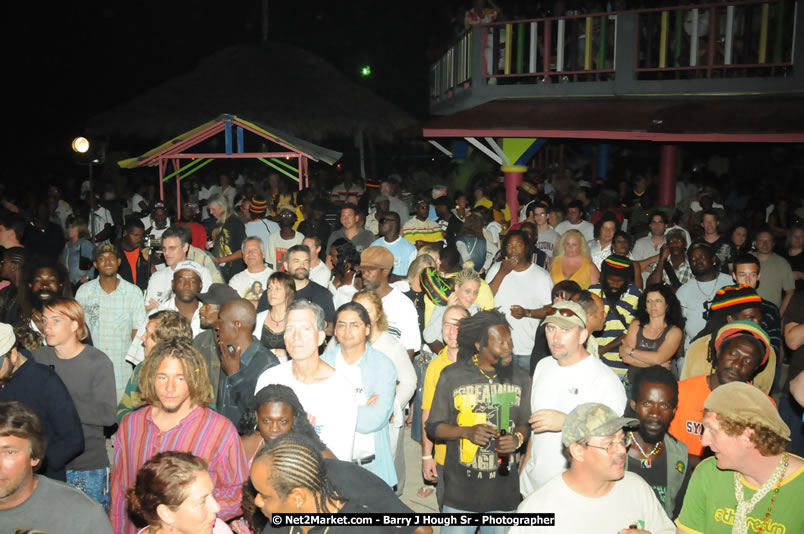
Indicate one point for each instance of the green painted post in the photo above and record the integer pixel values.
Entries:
(777, 45)
(520, 48)
(679, 32)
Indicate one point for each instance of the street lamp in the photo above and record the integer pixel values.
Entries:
(89, 154)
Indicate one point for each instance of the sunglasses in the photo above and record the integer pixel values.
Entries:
(563, 312)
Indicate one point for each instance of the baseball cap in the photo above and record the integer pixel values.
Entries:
(218, 294)
(104, 248)
(675, 234)
(746, 404)
(158, 205)
(566, 314)
(193, 266)
(377, 257)
(592, 419)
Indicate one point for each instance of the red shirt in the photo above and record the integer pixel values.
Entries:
(199, 234)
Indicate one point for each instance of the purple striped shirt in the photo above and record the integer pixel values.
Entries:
(203, 432)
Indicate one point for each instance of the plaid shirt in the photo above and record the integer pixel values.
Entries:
(111, 318)
(683, 272)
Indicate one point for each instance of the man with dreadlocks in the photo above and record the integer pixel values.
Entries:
(620, 297)
(175, 385)
(480, 409)
(742, 348)
(731, 303)
(291, 477)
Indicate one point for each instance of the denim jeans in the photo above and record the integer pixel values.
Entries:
(470, 529)
(94, 483)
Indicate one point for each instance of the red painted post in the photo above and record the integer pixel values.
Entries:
(161, 183)
(713, 31)
(667, 175)
(513, 177)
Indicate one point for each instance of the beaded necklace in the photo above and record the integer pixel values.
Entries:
(482, 372)
(646, 461)
(745, 507)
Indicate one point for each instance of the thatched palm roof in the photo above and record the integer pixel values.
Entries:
(273, 83)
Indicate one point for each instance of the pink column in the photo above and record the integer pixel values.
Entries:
(513, 177)
(667, 175)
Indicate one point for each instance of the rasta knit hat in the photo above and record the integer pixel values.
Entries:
(734, 299)
(618, 266)
(435, 286)
(744, 328)
(258, 205)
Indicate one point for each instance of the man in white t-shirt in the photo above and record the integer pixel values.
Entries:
(596, 494)
(279, 242)
(326, 396)
(521, 290)
(319, 272)
(571, 377)
(251, 283)
(575, 221)
(375, 266)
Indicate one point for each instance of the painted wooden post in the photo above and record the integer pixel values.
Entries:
(694, 39)
(520, 48)
(513, 177)
(560, 44)
(679, 32)
(508, 47)
(547, 43)
(779, 37)
(763, 34)
(729, 35)
(587, 57)
(713, 31)
(663, 40)
(667, 174)
(601, 63)
(534, 46)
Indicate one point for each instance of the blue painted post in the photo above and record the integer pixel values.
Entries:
(227, 132)
(602, 160)
(239, 139)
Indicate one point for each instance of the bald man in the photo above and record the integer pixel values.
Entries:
(243, 360)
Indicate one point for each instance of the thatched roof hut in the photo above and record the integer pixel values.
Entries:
(273, 83)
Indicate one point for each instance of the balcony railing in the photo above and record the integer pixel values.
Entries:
(738, 39)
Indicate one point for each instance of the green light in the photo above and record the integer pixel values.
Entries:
(366, 71)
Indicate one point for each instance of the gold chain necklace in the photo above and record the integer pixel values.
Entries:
(646, 461)
(482, 372)
(745, 507)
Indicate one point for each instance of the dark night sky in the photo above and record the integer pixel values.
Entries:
(66, 62)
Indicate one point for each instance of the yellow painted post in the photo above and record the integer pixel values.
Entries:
(763, 34)
(587, 61)
(663, 40)
(508, 37)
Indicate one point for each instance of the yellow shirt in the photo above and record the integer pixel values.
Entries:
(430, 381)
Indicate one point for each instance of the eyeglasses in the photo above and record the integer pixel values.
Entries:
(612, 447)
(564, 312)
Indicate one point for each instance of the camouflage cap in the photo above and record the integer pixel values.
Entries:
(592, 419)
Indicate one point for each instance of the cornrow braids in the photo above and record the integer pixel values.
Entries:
(296, 463)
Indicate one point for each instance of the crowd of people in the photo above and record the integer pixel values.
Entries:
(628, 366)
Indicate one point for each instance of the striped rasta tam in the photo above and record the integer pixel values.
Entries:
(618, 266)
(258, 205)
(735, 298)
(744, 328)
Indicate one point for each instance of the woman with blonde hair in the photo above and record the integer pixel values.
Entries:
(466, 286)
(173, 493)
(572, 261)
